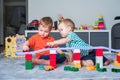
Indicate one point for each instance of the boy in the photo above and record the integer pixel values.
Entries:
(66, 28)
(39, 40)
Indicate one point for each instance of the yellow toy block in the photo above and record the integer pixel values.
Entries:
(13, 45)
(90, 68)
(116, 63)
(118, 53)
(77, 65)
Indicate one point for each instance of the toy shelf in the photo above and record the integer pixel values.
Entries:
(92, 37)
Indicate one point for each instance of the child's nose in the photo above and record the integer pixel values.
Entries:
(43, 33)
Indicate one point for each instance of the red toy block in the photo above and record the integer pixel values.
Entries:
(99, 52)
(28, 57)
(118, 58)
(52, 57)
(53, 63)
(76, 56)
(53, 60)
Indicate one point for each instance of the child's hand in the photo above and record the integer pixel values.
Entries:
(25, 48)
(50, 44)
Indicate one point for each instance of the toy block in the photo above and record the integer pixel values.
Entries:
(41, 67)
(28, 65)
(74, 69)
(99, 57)
(28, 57)
(99, 52)
(53, 58)
(102, 69)
(62, 55)
(90, 68)
(69, 68)
(115, 70)
(118, 57)
(53, 63)
(76, 64)
(76, 54)
(97, 65)
(116, 63)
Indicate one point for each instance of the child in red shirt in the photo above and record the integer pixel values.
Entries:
(39, 40)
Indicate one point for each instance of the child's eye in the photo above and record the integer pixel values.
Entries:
(61, 30)
(46, 31)
(40, 30)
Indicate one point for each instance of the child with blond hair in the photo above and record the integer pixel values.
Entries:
(71, 39)
(39, 41)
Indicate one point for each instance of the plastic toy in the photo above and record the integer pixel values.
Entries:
(99, 24)
(53, 58)
(28, 61)
(60, 18)
(115, 70)
(117, 61)
(99, 57)
(91, 68)
(33, 25)
(13, 46)
(28, 65)
(76, 58)
(74, 68)
(41, 67)
(49, 68)
(69, 68)
(100, 69)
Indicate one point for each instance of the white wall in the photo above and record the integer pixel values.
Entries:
(80, 11)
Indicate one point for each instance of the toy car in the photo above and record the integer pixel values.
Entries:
(49, 68)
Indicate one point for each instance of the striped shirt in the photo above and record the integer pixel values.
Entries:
(76, 41)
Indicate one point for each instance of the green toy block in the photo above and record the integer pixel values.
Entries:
(102, 69)
(62, 55)
(115, 70)
(97, 66)
(28, 65)
(67, 68)
(74, 69)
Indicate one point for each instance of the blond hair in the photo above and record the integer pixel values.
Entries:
(46, 22)
(69, 23)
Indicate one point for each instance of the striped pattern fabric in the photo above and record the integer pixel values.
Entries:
(76, 41)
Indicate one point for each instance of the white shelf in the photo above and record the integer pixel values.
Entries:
(33, 31)
(88, 35)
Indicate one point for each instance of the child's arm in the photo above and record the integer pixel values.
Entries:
(60, 41)
(26, 46)
(60, 51)
(70, 57)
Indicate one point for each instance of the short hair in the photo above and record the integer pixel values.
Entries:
(46, 22)
(68, 22)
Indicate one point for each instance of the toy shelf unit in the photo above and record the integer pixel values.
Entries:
(92, 37)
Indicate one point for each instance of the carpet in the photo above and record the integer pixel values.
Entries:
(14, 69)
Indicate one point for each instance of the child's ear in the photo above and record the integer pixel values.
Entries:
(69, 28)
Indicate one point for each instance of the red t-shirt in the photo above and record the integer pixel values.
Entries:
(37, 42)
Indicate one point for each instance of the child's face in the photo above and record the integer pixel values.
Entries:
(43, 31)
(63, 29)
